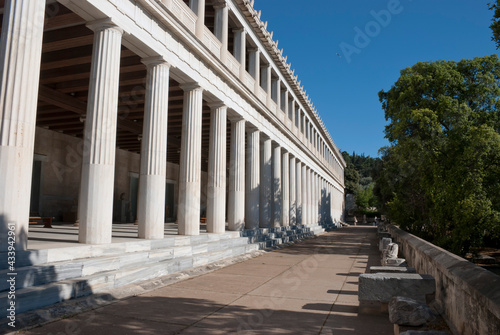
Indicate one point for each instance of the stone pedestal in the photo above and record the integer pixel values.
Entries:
(188, 210)
(216, 195)
(98, 168)
(151, 202)
(236, 203)
(21, 46)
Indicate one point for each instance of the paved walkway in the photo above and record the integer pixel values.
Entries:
(308, 288)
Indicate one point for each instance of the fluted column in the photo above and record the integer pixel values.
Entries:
(188, 210)
(305, 205)
(292, 192)
(309, 197)
(285, 190)
(236, 200)
(216, 195)
(198, 7)
(98, 166)
(266, 180)
(254, 66)
(153, 174)
(316, 197)
(239, 49)
(276, 187)
(20, 54)
(252, 203)
(298, 193)
(221, 28)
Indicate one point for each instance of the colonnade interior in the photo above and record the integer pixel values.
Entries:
(61, 115)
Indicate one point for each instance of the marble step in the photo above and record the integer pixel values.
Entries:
(81, 251)
(36, 297)
(57, 271)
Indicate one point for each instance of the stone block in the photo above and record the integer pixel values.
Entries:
(392, 269)
(384, 242)
(384, 234)
(409, 312)
(382, 287)
(394, 262)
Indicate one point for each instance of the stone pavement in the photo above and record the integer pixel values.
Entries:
(307, 288)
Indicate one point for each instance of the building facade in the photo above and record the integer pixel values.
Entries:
(153, 111)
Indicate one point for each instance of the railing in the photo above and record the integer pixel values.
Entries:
(180, 10)
(273, 107)
(262, 95)
(468, 294)
(233, 64)
(211, 42)
(249, 81)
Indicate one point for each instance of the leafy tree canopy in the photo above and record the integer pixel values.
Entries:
(440, 177)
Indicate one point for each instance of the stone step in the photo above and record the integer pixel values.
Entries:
(57, 271)
(80, 251)
(36, 297)
(47, 277)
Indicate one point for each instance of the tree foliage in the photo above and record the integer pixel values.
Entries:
(495, 25)
(358, 178)
(440, 178)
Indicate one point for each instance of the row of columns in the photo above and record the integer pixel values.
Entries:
(261, 74)
(278, 189)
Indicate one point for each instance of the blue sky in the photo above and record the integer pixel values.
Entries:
(345, 89)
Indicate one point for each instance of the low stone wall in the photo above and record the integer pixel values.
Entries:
(468, 294)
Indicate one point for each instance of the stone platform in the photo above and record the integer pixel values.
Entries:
(306, 288)
(59, 269)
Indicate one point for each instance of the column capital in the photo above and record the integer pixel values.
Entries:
(235, 118)
(216, 105)
(193, 86)
(220, 4)
(239, 30)
(155, 60)
(102, 24)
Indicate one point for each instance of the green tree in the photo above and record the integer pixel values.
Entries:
(440, 178)
(495, 26)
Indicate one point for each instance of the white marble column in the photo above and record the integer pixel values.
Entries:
(188, 210)
(277, 92)
(216, 194)
(305, 204)
(266, 180)
(98, 167)
(20, 54)
(221, 28)
(285, 190)
(252, 191)
(292, 192)
(276, 187)
(236, 200)
(284, 101)
(239, 49)
(254, 66)
(316, 198)
(198, 7)
(309, 196)
(298, 193)
(153, 174)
